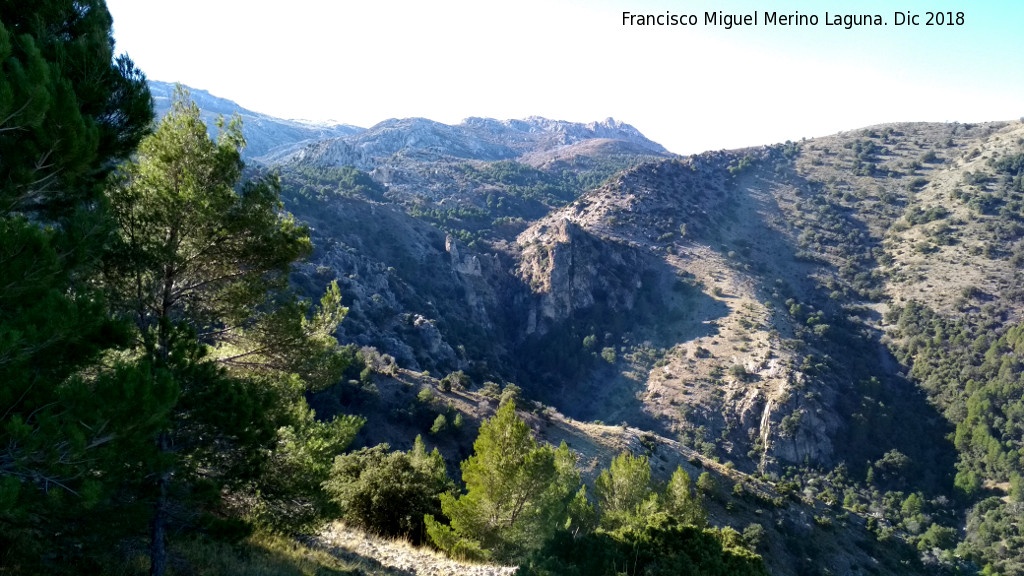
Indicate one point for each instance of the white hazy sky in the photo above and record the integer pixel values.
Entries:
(689, 88)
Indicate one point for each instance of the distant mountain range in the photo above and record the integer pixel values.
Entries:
(275, 141)
(474, 139)
(263, 133)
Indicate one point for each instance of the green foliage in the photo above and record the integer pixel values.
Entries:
(306, 183)
(624, 494)
(608, 353)
(993, 531)
(389, 493)
(68, 110)
(936, 536)
(912, 506)
(589, 341)
(1016, 487)
(977, 378)
(520, 182)
(917, 215)
(791, 150)
(458, 380)
(490, 390)
(440, 424)
(753, 536)
(68, 113)
(201, 268)
(681, 502)
(706, 484)
(865, 150)
(298, 466)
(462, 222)
(744, 164)
(510, 394)
(517, 493)
(658, 549)
(425, 396)
(971, 368)
(916, 184)
(739, 372)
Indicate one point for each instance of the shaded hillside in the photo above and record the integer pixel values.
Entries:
(750, 305)
(409, 290)
(752, 341)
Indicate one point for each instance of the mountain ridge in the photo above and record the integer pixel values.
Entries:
(263, 133)
(743, 303)
(474, 139)
(273, 141)
(817, 316)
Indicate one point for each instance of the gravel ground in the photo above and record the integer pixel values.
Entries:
(397, 557)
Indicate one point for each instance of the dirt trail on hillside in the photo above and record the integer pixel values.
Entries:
(397, 557)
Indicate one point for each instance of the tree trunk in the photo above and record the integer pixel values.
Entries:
(158, 527)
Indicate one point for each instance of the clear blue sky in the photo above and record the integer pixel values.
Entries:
(690, 88)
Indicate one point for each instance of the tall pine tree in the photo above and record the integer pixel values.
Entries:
(69, 111)
(202, 271)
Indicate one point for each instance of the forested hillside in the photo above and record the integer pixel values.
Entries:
(549, 346)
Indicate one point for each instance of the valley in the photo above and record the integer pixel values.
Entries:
(827, 328)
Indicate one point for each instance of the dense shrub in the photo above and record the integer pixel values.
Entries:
(386, 492)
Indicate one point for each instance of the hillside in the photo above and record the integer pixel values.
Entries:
(805, 319)
(742, 303)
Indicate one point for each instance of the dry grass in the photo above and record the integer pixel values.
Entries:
(261, 555)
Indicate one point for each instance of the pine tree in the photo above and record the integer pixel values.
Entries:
(681, 502)
(202, 271)
(624, 494)
(517, 493)
(68, 110)
(68, 113)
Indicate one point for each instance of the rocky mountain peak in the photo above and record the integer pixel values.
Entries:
(482, 139)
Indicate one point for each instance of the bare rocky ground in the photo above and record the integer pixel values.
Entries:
(396, 557)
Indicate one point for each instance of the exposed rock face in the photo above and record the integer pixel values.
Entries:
(569, 270)
(649, 226)
(732, 302)
(410, 290)
(468, 265)
(795, 429)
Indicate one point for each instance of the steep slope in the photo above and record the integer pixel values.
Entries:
(732, 340)
(810, 314)
(263, 134)
(809, 247)
(785, 247)
(409, 291)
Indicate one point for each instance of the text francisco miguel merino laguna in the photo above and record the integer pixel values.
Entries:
(766, 18)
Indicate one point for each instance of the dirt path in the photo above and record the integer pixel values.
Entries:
(381, 556)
